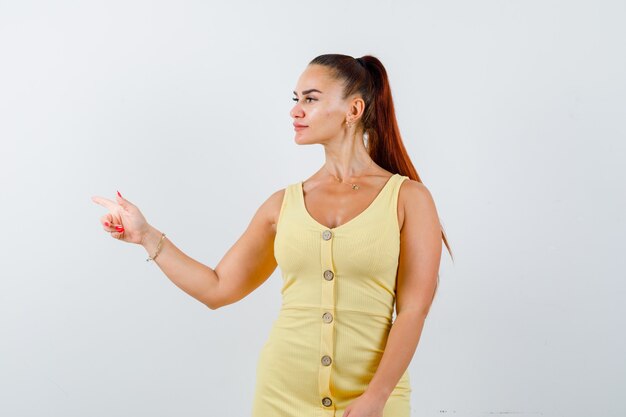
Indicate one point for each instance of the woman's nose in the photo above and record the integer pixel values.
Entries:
(296, 111)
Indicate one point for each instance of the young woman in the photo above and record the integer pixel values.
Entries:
(357, 238)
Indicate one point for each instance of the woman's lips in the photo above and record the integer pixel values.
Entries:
(298, 127)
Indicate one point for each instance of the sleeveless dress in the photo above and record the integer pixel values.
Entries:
(338, 297)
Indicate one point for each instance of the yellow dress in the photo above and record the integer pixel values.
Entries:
(338, 297)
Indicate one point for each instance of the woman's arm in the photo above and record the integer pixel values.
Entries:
(248, 263)
(420, 254)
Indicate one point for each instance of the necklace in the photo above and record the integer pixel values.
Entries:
(354, 185)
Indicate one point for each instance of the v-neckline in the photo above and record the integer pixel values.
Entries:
(361, 214)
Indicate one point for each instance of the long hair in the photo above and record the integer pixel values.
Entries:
(368, 77)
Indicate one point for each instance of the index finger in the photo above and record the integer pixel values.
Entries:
(105, 202)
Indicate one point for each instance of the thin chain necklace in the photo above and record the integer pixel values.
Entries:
(354, 185)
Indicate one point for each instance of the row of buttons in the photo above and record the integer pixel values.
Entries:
(327, 317)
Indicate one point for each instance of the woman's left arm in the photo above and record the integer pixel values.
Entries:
(418, 269)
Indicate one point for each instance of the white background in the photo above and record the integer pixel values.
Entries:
(512, 112)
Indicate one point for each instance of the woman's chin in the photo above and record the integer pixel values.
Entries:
(299, 138)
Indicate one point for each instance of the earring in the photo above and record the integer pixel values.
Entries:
(349, 123)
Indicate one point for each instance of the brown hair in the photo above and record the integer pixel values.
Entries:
(368, 77)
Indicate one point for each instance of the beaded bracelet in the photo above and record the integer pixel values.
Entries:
(158, 249)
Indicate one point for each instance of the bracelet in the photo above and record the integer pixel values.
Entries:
(158, 249)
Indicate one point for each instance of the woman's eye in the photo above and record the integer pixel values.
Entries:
(308, 99)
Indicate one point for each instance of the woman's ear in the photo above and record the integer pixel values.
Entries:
(357, 107)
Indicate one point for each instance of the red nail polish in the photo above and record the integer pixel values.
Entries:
(119, 227)
(106, 224)
(118, 193)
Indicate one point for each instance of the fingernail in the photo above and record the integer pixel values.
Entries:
(119, 227)
(118, 193)
(107, 224)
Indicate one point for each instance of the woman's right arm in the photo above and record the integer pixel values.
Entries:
(246, 265)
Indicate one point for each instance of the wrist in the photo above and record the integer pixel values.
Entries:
(150, 238)
(377, 394)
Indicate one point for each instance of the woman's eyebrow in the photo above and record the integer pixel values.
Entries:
(312, 90)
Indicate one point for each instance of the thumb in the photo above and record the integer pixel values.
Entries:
(122, 201)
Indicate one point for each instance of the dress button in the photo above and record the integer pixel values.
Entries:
(328, 275)
(326, 360)
(327, 317)
(327, 401)
(327, 234)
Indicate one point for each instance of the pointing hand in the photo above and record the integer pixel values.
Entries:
(124, 220)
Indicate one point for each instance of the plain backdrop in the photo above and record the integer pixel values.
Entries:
(512, 112)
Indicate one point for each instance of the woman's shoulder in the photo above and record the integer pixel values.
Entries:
(413, 192)
(414, 195)
(273, 204)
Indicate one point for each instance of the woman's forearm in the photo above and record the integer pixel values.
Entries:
(401, 345)
(191, 276)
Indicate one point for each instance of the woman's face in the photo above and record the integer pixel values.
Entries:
(319, 113)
